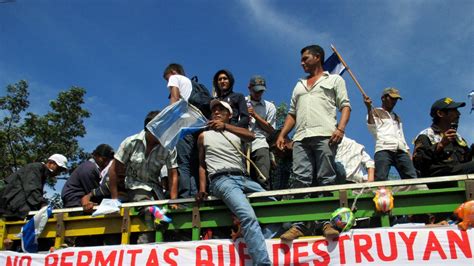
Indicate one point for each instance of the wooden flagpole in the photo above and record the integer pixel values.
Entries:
(349, 70)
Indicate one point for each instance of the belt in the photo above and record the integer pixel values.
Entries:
(222, 173)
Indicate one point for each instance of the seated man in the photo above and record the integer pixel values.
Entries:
(440, 150)
(86, 176)
(24, 189)
(138, 163)
(220, 160)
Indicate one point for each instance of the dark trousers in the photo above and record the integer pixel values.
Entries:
(261, 158)
(187, 166)
(399, 159)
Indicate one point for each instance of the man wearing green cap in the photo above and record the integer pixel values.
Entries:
(440, 150)
(391, 148)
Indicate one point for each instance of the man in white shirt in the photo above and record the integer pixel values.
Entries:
(391, 148)
(181, 88)
(262, 123)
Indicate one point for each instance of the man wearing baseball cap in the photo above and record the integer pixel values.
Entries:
(221, 162)
(439, 149)
(391, 148)
(24, 189)
(262, 123)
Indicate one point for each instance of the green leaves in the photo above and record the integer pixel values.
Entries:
(30, 137)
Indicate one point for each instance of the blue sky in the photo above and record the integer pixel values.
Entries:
(117, 51)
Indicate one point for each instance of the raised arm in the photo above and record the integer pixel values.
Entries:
(243, 133)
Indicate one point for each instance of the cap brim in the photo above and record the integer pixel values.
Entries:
(258, 88)
(396, 96)
(457, 104)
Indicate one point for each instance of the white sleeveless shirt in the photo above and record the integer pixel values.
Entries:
(221, 156)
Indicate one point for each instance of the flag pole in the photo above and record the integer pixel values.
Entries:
(353, 77)
(349, 70)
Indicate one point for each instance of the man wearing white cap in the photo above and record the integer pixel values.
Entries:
(221, 162)
(24, 189)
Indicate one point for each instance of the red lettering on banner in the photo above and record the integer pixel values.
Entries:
(28, 261)
(433, 245)
(362, 249)
(463, 244)
(168, 258)
(18, 261)
(120, 261)
(232, 254)
(10, 263)
(64, 257)
(393, 247)
(48, 262)
(87, 255)
(323, 254)
(297, 254)
(286, 252)
(134, 253)
(409, 241)
(199, 259)
(243, 255)
(99, 258)
(342, 251)
(152, 258)
(220, 255)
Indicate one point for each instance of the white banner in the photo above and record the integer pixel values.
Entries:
(380, 246)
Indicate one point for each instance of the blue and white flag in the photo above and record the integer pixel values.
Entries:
(333, 65)
(471, 95)
(32, 229)
(175, 122)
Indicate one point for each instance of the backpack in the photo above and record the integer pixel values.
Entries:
(200, 97)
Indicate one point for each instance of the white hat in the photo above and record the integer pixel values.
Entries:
(59, 159)
(225, 104)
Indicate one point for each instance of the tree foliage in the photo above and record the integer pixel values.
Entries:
(28, 137)
(281, 112)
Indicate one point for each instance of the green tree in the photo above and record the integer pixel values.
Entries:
(31, 137)
(281, 112)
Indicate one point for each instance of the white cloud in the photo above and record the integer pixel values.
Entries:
(280, 26)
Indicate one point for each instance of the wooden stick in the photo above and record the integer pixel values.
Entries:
(349, 70)
(353, 78)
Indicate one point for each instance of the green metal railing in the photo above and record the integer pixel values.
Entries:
(212, 213)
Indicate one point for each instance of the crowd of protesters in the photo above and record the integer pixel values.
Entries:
(212, 161)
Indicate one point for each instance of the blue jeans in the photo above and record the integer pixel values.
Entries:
(231, 190)
(400, 159)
